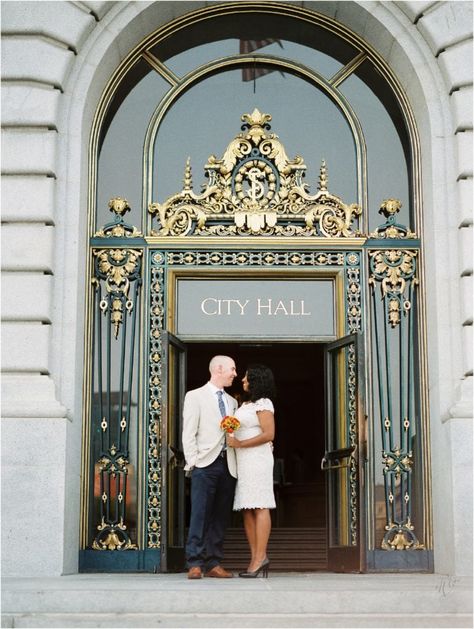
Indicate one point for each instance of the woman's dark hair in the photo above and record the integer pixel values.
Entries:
(261, 383)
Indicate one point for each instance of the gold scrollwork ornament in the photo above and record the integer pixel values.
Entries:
(116, 267)
(394, 269)
(255, 189)
(400, 540)
(113, 540)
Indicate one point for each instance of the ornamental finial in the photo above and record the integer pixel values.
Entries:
(188, 177)
(255, 125)
(390, 207)
(323, 177)
(391, 229)
(119, 205)
(256, 118)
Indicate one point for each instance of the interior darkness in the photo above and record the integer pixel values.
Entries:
(299, 416)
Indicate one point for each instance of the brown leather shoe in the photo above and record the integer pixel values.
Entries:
(195, 572)
(219, 573)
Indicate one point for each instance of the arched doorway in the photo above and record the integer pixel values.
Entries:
(126, 511)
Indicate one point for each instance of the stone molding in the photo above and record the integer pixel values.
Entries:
(29, 295)
(446, 24)
(71, 29)
(455, 64)
(33, 58)
(35, 204)
(19, 105)
(27, 247)
(462, 100)
(29, 151)
(40, 402)
(25, 348)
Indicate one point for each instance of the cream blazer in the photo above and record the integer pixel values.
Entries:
(202, 435)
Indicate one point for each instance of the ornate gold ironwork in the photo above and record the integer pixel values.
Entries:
(119, 205)
(118, 229)
(155, 408)
(391, 229)
(255, 189)
(401, 538)
(113, 463)
(210, 11)
(353, 294)
(116, 267)
(394, 268)
(397, 461)
(399, 541)
(352, 414)
(243, 258)
(112, 538)
(117, 280)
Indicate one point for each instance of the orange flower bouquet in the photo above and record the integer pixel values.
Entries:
(229, 424)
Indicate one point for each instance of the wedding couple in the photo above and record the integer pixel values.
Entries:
(216, 460)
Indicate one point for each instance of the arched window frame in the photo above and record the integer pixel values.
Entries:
(179, 84)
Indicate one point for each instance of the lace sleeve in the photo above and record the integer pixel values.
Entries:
(264, 404)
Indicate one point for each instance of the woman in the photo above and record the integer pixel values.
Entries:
(253, 448)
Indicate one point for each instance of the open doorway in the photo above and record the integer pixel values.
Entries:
(298, 539)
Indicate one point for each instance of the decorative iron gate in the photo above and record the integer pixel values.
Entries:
(255, 214)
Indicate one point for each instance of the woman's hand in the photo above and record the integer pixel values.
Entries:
(232, 442)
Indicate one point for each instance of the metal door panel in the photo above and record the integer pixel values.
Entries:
(343, 459)
(172, 457)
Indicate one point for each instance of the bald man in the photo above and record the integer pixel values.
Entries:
(212, 467)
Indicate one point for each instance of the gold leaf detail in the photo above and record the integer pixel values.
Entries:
(257, 185)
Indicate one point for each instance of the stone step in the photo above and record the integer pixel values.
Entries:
(259, 621)
(282, 600)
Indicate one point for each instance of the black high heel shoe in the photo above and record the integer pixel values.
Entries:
(263, 569)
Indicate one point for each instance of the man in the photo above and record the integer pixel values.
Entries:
(213, 469)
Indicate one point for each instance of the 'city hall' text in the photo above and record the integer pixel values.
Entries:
(259, 307)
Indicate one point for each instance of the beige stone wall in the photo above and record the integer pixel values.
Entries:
(57, 58)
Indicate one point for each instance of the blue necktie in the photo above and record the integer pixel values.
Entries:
(223, 413)
(221, 403)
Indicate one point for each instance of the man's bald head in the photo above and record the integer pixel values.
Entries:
(222, 370)
(219, 361)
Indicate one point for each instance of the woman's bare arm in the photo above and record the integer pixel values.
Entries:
(267, 424)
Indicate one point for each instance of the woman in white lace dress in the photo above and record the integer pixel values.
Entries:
(254, 452)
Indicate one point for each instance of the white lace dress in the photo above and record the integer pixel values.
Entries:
(254, 489)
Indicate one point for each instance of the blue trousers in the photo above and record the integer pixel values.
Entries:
(212, 496)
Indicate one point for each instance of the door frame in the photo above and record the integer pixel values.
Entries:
(347, 558)
(342, 298)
